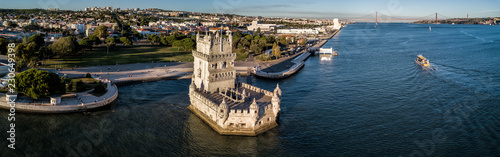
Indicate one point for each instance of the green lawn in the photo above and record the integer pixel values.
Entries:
(142, 54)
(89, 84)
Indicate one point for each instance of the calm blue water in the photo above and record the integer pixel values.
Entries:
(371, 100)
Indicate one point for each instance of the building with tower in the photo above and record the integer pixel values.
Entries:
(220, 99)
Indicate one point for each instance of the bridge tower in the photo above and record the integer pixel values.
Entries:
(436, 18)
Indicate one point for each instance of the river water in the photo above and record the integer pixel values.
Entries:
(370, 100)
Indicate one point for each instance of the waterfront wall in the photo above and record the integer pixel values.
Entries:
(41, 108)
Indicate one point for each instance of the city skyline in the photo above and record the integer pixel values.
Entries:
(320, 9)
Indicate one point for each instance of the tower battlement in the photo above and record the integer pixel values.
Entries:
(214, 44)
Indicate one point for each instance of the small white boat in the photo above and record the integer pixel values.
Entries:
(327, 51)
(430, 28)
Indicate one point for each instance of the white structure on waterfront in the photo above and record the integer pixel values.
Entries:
(227, 105)
(298, 31)
(336, 24)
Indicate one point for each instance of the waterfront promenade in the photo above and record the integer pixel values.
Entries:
(138, 72)
(75, 102)
(288, 66)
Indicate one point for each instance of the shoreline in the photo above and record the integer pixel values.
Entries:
(293, 64)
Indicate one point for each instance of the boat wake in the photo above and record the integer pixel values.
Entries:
(482, 39)
(470, 79)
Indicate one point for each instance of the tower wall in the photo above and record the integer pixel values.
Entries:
(214, 63)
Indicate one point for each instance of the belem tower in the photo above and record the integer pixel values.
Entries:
(227, 105)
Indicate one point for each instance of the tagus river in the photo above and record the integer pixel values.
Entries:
(370, 100)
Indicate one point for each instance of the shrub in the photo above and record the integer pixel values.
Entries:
(70, 86)
(100, 88)
(80, 86)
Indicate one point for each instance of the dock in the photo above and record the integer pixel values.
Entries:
(289, 67)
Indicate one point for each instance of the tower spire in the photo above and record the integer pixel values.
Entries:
(221, 45)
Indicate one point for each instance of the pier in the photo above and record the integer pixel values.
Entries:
(290, 66)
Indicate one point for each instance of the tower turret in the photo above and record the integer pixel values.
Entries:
(254, 111)
(277, 90)
(275, 101)
(223, 112)
(192, 86)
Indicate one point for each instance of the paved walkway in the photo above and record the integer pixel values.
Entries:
(133, 72)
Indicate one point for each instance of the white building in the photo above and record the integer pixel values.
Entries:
(298, 31)
(263, 27)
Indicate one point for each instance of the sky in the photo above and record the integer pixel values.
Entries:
(321, 9)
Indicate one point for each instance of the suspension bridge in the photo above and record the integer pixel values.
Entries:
(379, 17)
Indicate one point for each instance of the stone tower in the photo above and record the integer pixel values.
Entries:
(214, 62)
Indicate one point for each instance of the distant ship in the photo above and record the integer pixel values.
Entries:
(422, 60)
(430, 28)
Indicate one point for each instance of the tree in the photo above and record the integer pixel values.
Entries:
(25, 55)
(177, 43)
(38, 83)
(171, 39)
(257, 32)
(63, 46)
(3, 46)
(136, 34)
(44, 52)
(164, 41)
(188, 44)
(256, 47)
(101, 32)
(244, 43)
(125, 33)
(276, 51)
(70, 86)
(126, 41)
(153, 39)
(94, 40)
(283, 41)
(37, 39)
(111, 41)
(33, 26)
(100, 88)
(80, 86)
(85, 43)
(270, 39)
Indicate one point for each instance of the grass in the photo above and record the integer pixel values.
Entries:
(90, 83)
(121, 55)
